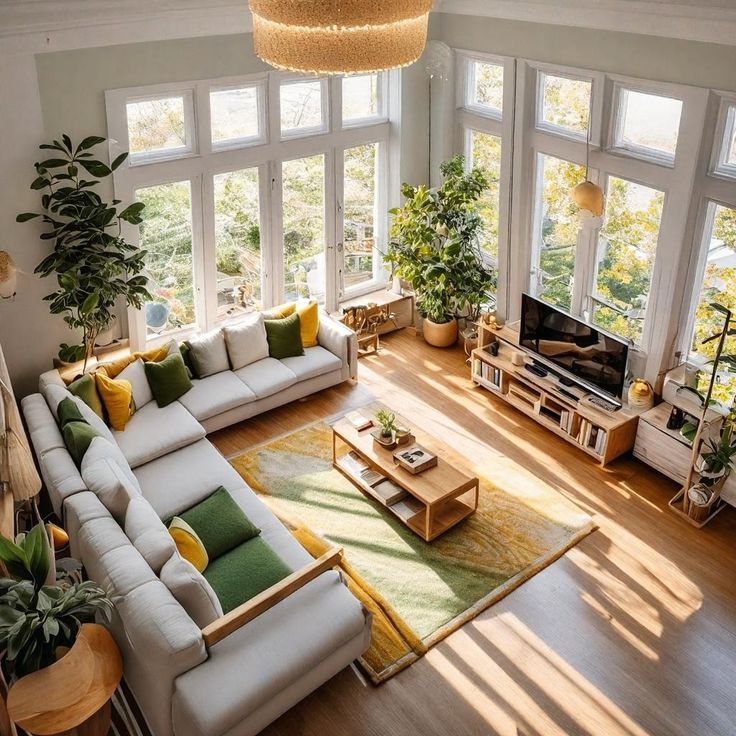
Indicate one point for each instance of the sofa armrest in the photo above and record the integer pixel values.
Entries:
(240, 616)
(340, 340)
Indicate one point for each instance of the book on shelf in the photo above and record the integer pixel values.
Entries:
(407, 507)
(371, 477)
(389, 492)
(354, 463)
(359, 420)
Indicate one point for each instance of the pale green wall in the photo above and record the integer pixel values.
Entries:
(628, 54)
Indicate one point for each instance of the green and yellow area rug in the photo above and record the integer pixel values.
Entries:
(418, 592)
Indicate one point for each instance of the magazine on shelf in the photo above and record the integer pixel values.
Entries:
(389, 492)
(407, 508)
(354, 464)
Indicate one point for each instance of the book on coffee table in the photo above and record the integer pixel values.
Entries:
(415, 458)
(359, 420)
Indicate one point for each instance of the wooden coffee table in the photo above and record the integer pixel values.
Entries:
(439, 497)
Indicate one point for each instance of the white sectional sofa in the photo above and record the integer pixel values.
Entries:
(240, 684)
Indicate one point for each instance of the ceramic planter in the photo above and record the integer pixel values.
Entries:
(440, 335)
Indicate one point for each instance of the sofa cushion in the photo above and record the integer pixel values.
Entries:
(78, 437)
(54, 395)
(102, 447)
(178, 481)
(117, 396)
(266, 377)
(191, 589)
(104, 477)
(208, 354)
(148, 534)
(68, 411)
(189, 544)
(153, 432)
(244, 572)
(135, 374)
(86, 389)
(168, 379)
(284, 337)
(315, 362)
(220, 523)
(216, 394)
(246, 341)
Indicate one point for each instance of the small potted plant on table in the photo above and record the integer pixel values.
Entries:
(385, 434)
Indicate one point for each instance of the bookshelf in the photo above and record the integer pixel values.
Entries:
(602, 435)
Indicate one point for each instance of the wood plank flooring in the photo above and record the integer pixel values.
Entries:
(632, 632)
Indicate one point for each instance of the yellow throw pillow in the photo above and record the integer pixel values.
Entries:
(118, 366)
(189, 544)
(308, 323)
(282, 310)
(117, 396)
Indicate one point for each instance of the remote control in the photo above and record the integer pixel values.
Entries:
(569, 394)
(535, 369)
(603, 404)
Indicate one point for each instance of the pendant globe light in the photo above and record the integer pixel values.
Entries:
(339, 36)
(588, 195)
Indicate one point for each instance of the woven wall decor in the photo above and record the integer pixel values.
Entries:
(339, 36)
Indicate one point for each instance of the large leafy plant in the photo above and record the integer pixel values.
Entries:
(36, 619)
(435, 244)
(93, 263)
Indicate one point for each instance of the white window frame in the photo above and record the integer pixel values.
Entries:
(725, 128)
(200, 168)
(466, 82)
(499, 123)
(645, 153)
(381, 115)
(547, 70)
(325, 102)
(162, 92)
(260, 85)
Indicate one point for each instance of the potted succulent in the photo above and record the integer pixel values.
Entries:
(435, 247)
(93, 264)
(40, 619)
(386, 432)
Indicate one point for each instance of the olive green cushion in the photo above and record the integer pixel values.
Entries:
(185, 352)
(284, 337)
(220, 523)
(168, 379)
(77, 438)
(68, 411)
(86, 389)
(244, 572)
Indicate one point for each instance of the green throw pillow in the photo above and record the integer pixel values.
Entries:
(68, 411)
(284, 337)
(86, 388)
(244, 572)
(186, 353)
(168, 379)
(220, 523)
(77, 438)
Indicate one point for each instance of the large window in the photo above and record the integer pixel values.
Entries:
(556, 230)
(627, 246)
(262, 205)
(485, 153)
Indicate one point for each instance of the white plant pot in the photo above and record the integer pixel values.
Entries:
(106, 336)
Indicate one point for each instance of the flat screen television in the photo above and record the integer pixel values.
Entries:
(573, 348)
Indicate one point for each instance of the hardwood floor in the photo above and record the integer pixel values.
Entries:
(632, 632)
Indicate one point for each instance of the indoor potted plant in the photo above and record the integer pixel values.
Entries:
(435, 247)
(386, 432)
(39, 619)
(94, 265)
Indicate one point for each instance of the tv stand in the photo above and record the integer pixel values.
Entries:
(563, 409)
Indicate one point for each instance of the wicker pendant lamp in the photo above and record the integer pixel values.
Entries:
(339, 36)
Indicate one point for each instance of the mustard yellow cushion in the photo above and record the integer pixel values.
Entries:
(117, 396)
(282, 310)
(118, 366)
(308, 323)
(189, 544)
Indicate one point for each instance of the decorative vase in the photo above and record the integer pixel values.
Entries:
(641, 395)
(440, 334)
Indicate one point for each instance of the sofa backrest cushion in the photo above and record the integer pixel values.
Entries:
(103, 476)
(135, 374)
(246, 341)
(208, 354)
(190, 588)
(148, 533)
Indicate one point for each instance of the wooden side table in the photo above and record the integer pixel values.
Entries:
(71, 696)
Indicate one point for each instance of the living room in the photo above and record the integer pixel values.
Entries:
(366, 367)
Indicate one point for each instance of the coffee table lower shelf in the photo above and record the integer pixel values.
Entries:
(431, 520)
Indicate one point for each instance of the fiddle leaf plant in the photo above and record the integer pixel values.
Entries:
(435, 244)
(93, 264)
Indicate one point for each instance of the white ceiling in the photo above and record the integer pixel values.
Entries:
(60, 24)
